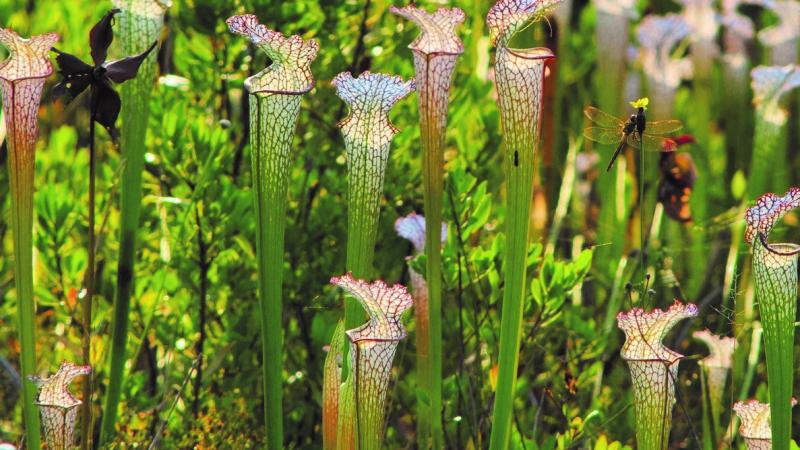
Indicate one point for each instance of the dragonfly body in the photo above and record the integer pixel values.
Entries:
(635, 132)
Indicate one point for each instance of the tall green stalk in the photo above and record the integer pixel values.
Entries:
(139, 24)
(372, 349)
(22, 77)
(275, 99)
(654, 369)
(612, 30)
(435, 53)
(519, 75)
(775, 275)
(367, 136)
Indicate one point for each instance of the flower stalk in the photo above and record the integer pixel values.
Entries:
(139, 23)
(654, 369)
(22, 76)
(372, 349)
(275, 93)
(413, 227)
(435, 51)
(519, 75)
(58, 407)
(775, 274)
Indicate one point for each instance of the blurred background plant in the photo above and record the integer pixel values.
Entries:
(197, 232)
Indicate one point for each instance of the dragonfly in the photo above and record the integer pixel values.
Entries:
(634, 132)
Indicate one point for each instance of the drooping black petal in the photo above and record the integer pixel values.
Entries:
(100, 38)
(76, 75)
(126, 68)
(106, 106)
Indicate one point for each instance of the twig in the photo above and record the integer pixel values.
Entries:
(156, 439)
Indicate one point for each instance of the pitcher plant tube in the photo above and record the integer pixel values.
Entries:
(715, 368)
(435, 53)
(372, 349)
(275, 93)
(519, 74)
(22, 76)
(104, 107)
(57, 405)
(775, 276)
(413, 228)
(139, 23)
(770, 85)
(755, 428)
(654, 369)
(367, 136)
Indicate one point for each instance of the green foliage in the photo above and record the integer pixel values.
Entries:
(197, 240)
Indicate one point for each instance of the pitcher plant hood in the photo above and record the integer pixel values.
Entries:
(770, 84)
(645, 331)
(438, 29)
(372, 349)
(290, 71)
(767, 211)
(57, 405)
(755, 424)
(507, 17)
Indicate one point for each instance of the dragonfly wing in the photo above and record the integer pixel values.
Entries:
(651, 143)
(603, 119)
(663, 127)
(602, 135)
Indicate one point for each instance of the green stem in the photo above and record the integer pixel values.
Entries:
(776, 293)
(138, 30)
(518, 71)
(86, 339)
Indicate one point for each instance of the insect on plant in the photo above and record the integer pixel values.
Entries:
(636, 132)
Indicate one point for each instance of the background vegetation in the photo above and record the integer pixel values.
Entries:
(197, 259)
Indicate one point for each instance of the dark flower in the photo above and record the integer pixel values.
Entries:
(77, 75)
